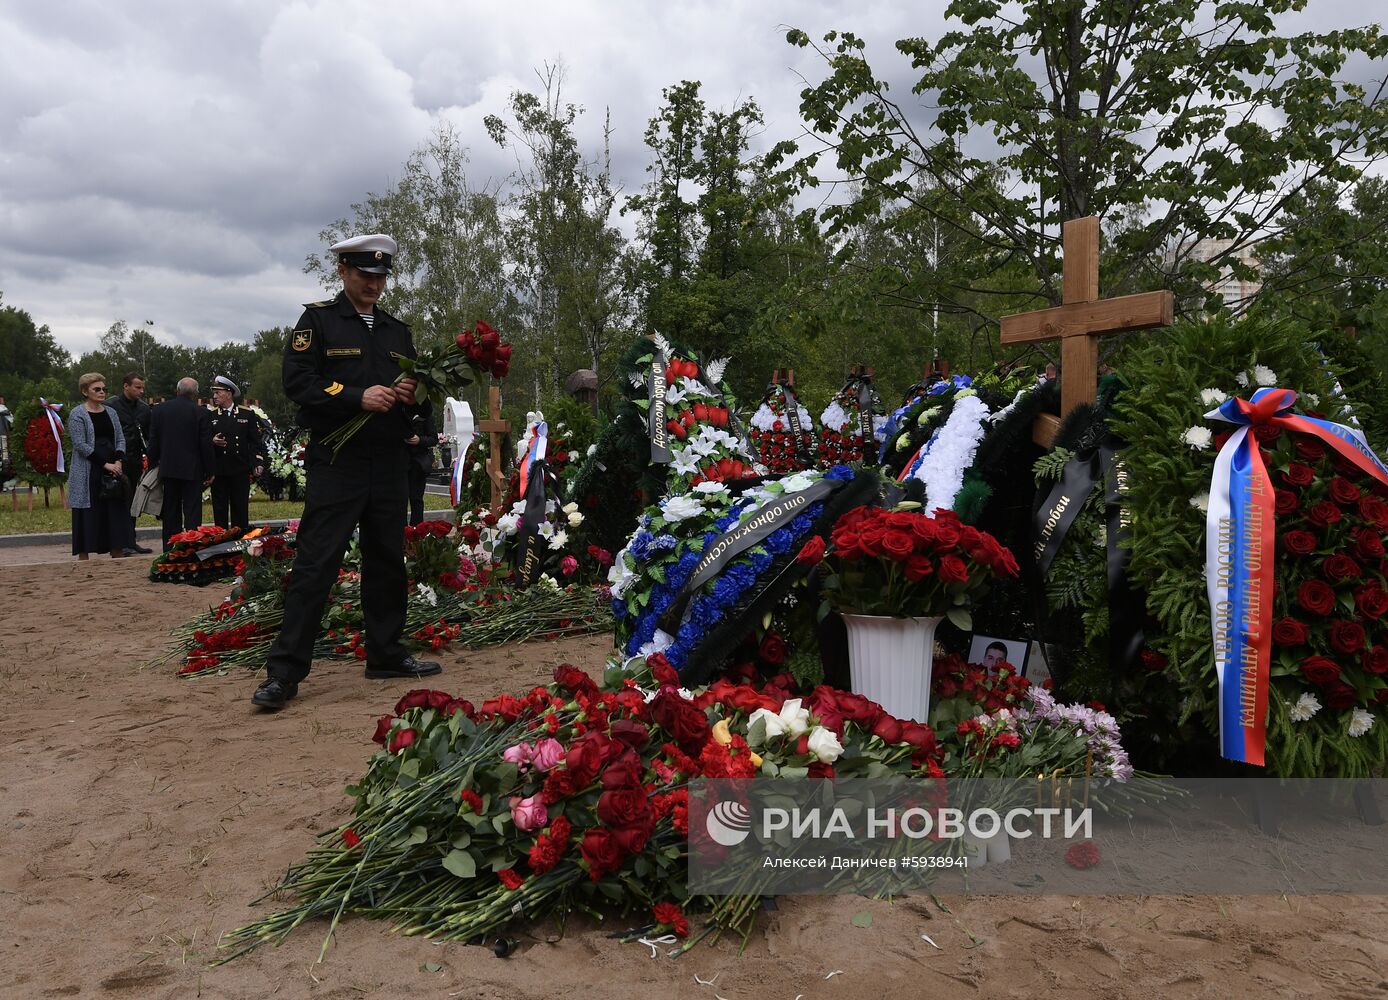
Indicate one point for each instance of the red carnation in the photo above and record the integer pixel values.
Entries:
(510, 878)
(672, 917)
(471, 799)
(350, 837)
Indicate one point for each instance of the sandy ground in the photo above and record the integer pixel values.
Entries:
(139, 814)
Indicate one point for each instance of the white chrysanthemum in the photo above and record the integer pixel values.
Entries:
(1212, 397)
(1264, 376)
(1311, 399)
(1201, 501)
(1199, 438)
(427, 594)
(1306, 706)
(680, 507)
(558, 540)
(834, 418)
(1360, 722)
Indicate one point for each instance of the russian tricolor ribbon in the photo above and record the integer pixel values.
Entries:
(55, 424)
(1240, 546)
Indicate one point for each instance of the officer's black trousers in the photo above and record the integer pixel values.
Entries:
(418, 480)
(231, 496)
(182, 509)
(365, 485)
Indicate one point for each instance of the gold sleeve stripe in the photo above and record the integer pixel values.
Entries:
(333, 389)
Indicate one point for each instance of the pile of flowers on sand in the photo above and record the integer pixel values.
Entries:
(183, 564)
(575, 796)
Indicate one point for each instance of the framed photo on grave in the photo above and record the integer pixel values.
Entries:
(990, 650)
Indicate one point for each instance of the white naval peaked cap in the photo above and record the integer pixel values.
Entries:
(222, 382)
(371, 252)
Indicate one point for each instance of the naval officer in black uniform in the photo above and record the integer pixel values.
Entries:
(338, 362)
(238, 455)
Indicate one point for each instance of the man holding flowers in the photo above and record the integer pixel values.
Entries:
(341, 362)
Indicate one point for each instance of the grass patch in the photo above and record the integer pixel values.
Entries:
(56, 517)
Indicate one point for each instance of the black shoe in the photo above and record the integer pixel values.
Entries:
(140, 549)
(274, 693)
(129, 552)
(408, 667)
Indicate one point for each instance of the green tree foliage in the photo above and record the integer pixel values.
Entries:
(1175, 121)
(27, 352)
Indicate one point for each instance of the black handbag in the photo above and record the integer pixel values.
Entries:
(112, 486)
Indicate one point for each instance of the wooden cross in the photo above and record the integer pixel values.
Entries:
(496, 430)
(1081, 320)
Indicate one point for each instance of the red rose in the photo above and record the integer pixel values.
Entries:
(857, 708)
(624, 771)
(687, 724)
(573, 680)
(918, 567)
(888, 730)
(1267, 432)
(1154, 661)
(1316, 596)
(1368, 545)
(586, 756)
(382, 729)
(414, 699)
(601, 851)
(1371, 601)
(918, 735)
(1324, 514)
(1299, 475)
(664, 674)
(1289, 632)
(402, 740)
(773, 649)
(1346, 636)
(1375, 660)
(1342, 491)
(1320, 671)
(1374, 510)
(1299, 542)
(953, 569)
(630, 733)
(1286, 501)
(1339, 695)
(623, 806)
(1308, 447)
(812, 552)
(898, 544)
(1341, 567)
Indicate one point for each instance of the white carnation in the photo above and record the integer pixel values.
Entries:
(1306, 706)
(1199, 438)
(1264, 376)
(558, 540)
(1360, 722)
(1212, 397)
(1201, 501)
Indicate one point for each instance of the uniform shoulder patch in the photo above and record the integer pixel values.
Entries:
(319, 305)
(302, 339)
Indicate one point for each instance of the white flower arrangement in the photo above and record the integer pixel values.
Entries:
(951, 451)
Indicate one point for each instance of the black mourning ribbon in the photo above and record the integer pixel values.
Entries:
(1053, 522)
(753, 529)
(530, 551)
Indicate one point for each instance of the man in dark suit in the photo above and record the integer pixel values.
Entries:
(238, 455)
(180, 444)
(421, 444)
(134, 415)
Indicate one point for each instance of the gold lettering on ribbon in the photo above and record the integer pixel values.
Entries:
(1052, 519)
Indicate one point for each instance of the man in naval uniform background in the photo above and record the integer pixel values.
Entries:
(339, 361)
(238, 455)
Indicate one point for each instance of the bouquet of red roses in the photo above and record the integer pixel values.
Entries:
(440, 374)
(903, 564)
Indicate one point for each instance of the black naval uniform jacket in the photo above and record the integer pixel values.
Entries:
(332, 357)
(245, 449)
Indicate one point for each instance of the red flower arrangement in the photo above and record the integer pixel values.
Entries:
(40, 447)
(773, 433)
(905, 564)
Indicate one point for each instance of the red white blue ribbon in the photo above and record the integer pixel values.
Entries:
(1240, 545)
(55, 424)
(539, 444)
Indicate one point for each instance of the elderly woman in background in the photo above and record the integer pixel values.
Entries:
(98, 445)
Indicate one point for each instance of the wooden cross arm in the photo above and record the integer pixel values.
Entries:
(1078, 319)
(494, 426)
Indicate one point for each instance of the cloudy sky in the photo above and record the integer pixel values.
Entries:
(173, 161)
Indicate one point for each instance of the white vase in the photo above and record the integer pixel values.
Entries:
(889, 660)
